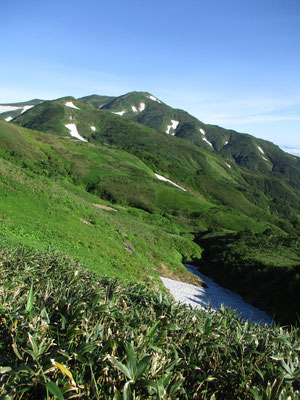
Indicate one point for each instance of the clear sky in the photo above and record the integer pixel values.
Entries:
(235, 63)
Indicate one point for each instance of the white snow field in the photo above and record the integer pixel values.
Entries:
(260, 149)
(228, 165)
(119, 112)
(213, 297)
(225, 143)
(162, 178)
(71, 105)
(7, 119)
(4, 109)
(153, 98)
(25, 108)
(173, 125)
(93, 128)
(73, 132)
(134, 109)
(265, 159)
(202, 131)
(142, 107)
(205, 140)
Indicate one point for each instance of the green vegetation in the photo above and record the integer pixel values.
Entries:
(65, 333)
(47, 198)
(118, 165)
(86, 229)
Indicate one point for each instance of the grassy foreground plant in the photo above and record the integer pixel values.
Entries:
(65, 333)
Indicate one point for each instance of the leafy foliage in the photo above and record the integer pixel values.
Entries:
(91, 338)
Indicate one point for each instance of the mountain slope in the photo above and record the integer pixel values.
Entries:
(254, 193)
(221, 197)
(48, 198)
(241, 149)
(96, 100)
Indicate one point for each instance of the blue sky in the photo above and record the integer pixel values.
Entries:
(233, 63)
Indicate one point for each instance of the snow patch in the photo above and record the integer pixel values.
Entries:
(162, 178)
(71, 105)
(73, 132)
(8, 119)
(153, 98)
(212, 297)
(93, 128)
(202, 131)
(119, 112)
(173, 126)
(260, 149)
(4, 109)
(228, 165)
(71, 117)
(225, 143)
(134, 109)
(265, 159)
(142, 107)
(205, 140)
(25, 108)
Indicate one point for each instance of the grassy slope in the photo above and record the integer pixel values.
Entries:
(44, 202)
(178, 159)
(219, 198)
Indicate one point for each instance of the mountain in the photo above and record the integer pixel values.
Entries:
(183, 187)
(263, 178)
(98, 101)
(241, 149)
(11, 110)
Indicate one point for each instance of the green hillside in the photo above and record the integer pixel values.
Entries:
(241, 149)
(219, 198)
(87, 226)
(98, 101)
(217, 179)
(248, 185)
(47, 200)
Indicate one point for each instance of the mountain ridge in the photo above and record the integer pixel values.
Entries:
(247, 188)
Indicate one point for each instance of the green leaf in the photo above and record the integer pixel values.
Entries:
(117, 395)
(131, 360)
(142, 366)
(121, 367)
(33, 344)
(30, 299)
(3, 370)
(55, 390)
(175, 387)
(166, 380)
(127, 391)
(152, 331)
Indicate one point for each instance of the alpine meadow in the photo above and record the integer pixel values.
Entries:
(100, 197)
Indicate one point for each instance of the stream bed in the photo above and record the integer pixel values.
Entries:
(213, 296)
